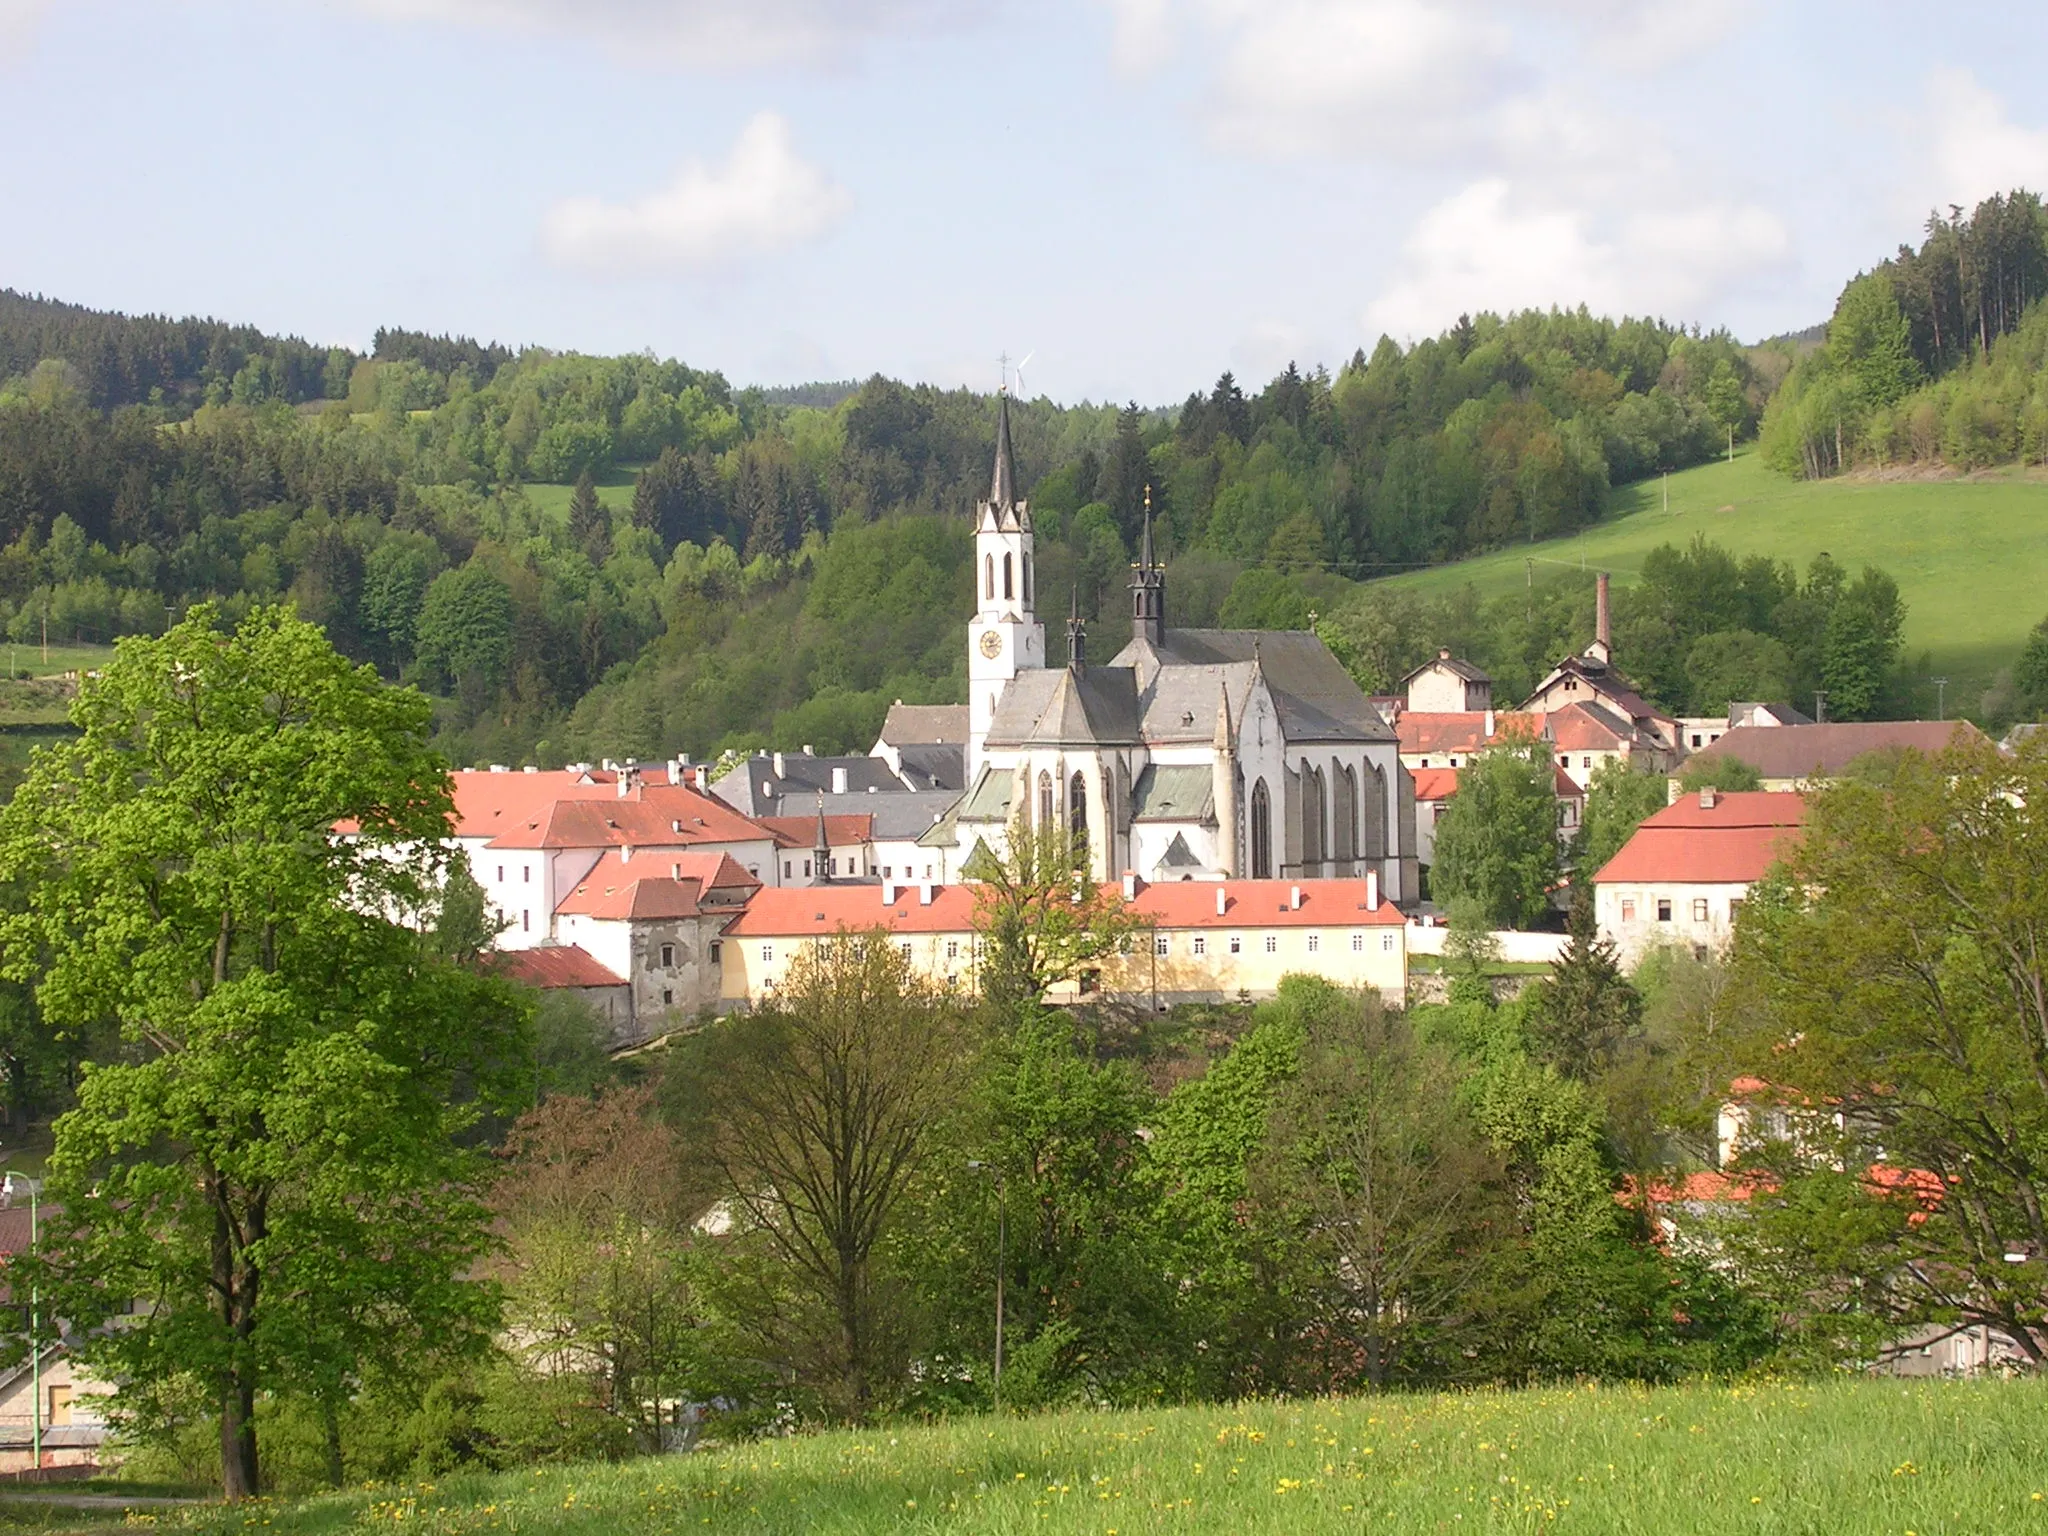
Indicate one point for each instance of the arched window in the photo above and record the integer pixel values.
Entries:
(1026, 557)
(1077, 816)
(1262, 832)
(989, 585)
(1007, 592)
(1312, 815)
(1345, 834)
(1045, 802)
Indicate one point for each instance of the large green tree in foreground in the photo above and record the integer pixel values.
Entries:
(270, 1164)
(1497, 845)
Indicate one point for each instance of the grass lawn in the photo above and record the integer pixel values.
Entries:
(614, 490)
(28, 655)
(1970, 555)
(1838, 1458)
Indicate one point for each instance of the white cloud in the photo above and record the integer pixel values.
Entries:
(700, 33)
(1371, 77)
(1490, 246)
(1968, 147)
(19, 22)
(764, 199)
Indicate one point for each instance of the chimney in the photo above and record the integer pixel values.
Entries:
(1130, 885)
(1294, 898)
(1443, 653)
(626, 853)
(1603, 628)
(924, 893)
(807, 749)
(1708, 799)
(1372, 890)
(838, 781)
(1489, 725)
(1222, 902)
(778, 766)
(889, 890)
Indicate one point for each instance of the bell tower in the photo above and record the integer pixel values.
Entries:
(1004, 637)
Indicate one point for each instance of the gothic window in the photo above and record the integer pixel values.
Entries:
(1045, 805)
(1312, 818)
(1347, 813)
(1262, 832)
(1007, 592)
(989, 582)
(1077, 816)
(1027, 578)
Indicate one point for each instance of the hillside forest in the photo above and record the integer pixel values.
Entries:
(582, 556)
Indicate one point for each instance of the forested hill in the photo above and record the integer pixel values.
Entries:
(604, 556)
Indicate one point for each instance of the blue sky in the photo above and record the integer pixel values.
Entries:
(1136, 193)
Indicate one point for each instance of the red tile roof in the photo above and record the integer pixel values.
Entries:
(802, 831)
(654, 816)
(1435, 783)
(1583, 727)
(1461, 730)
(657, 883)
(1733, 842)
(804, 911)
(1263, 904)
(556, 965)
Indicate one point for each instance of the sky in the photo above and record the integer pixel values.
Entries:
(1129, 195)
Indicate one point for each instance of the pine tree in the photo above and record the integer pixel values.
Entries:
(590, 526)
(1582, 1012)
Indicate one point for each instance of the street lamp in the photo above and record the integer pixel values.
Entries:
(35, 1349)
(1002, 1264)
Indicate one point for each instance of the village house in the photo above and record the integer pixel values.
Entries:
(925, 741)
(1685, 874)
(1592, 678)
(1447, 686)
(1435, 787)
(1210, 941)
(1793, 756)
(47, 1398)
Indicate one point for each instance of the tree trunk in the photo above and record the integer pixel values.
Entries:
(330, 1424)
(237, 1437)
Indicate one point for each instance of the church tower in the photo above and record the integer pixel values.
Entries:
(1148, 589)
(1004, 637)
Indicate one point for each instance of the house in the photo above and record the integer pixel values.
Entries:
(1684, 875)
(871, 836)
(570, 968)
(1203, 941)
(1434, 788)
(1788, 757)
(1588, 735)
(1203, 754)
(925, 741)
(1592, 678)
(1451, 739)
(786, 783)
(1445, 685)
(50, 1393)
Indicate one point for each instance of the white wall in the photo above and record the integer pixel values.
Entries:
(1515, 948)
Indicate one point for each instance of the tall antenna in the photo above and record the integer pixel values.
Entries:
(1002, 371)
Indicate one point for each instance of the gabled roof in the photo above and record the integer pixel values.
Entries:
(1263, 904)
(653, 816)
(1603, 679)
(552, 966)
(1434, 783)
(762, 786)
(1178, 855)
(1732, 841)
(802, 831)
(1169, 792)
(818, 911)
(1067, 707)
(989, 800)
(1444, 661)
(656, 884)
(1804, 751)
(916, 725)
(1587, 726)
(933, 765)
(1316, 698)
(1430, 732)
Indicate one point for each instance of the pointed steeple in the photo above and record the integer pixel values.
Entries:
(1002, 491)
(1223, 745)
(1145, 559)
(1148, 588)
(1077, 634)
(821, 851)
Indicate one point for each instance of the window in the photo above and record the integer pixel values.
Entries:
(989, 580)
(1663, 909)
(1454, 762)
(1315, 942)
(807, 869)
(1735, 909)
(1699, 909)
(887, 871)
(717, 949)
(1272, 943)
(1237, 944)
(1201, 944)
(1628, 910)
(60, 1407)
(904, 949)
(788, 870)
(1387, 943)
(526, 873)
(1008, 583)
(668, 957)
(1695, 738)
(501, 874)
(526, 922)
(1585, 762)
(767, 954)
(1262, 833)
(1358, 943)
(668, 997)
(1161, 945)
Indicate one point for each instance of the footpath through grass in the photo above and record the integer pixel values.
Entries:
(1970, 555)
(1846, 1458)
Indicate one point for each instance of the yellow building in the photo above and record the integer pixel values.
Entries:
(1200, 941)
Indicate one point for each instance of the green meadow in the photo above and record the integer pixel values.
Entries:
(1970, 554)
(614, 492)
(1850, 1457)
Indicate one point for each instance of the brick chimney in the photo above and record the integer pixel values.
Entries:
(1708, 798)
(1602, 648)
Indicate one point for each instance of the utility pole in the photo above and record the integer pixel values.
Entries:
(1667, 492)
(1820, 707)
(1940, 697)
(46, 639)
(35, 1347)
(1002, 1265)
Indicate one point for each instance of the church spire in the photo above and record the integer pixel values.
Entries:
(1002, 491)
(1148, 588)
(821, 853)
(1077, 633)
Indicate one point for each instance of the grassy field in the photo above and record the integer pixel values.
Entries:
(614, 490)
(1970, 555)
(1847, 1458)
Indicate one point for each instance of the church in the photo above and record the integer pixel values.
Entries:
(1193, 754)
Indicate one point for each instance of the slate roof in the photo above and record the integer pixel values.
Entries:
(1068, 707)
(1174, 792)
(756, 789)
(931, 765)
(1316, 697)
(990, 798)
(890, 818)
(1803, 751)
(1444, 661)
(915, 725)
(1178, 855)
